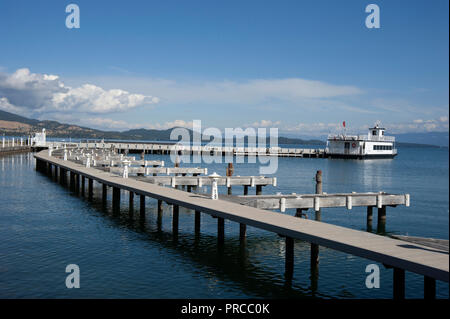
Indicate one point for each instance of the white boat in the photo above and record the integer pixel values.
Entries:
(374, 144)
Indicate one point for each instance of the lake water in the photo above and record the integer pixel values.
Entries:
(44, 227)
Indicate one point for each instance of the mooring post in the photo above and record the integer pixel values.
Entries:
(317, 215)
(116, 199)
(369, 217)
(399, 283)
(131, 202)
(429, 288)
(220, 230)
(289, 257)
(142, 205)
(229, 173)
(197, 221)
(175, 216)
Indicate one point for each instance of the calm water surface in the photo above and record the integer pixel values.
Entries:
(44, 227)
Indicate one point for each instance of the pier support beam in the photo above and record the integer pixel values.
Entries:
(429, 288)
(131, 202)
(197, 222)
(90, 188)
(258, 189)
(77, 183)
(381, 223)
(175, 217)
(72, 180)
(104, 193)
(142, 206)
(399, 283)
(317, 216)
(220, 230)
(242, 232)
(116, 199)
(83, 183)
(369, 218)
(289, 257)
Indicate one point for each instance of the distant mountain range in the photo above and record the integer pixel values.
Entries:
(16, 125)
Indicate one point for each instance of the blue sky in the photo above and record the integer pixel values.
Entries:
(301, 66)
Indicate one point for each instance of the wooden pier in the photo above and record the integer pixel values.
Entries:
(164, 148)
(433, 264)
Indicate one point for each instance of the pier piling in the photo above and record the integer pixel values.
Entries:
(429, 288)
(142, 205)
(116, 199)
(399, 283)
(197, 221)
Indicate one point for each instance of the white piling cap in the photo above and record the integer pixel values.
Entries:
(214, 175)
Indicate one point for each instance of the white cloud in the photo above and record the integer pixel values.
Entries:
(265, 123)
(26, 92)
(110, 124)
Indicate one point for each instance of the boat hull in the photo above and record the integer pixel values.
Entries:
(361, 157)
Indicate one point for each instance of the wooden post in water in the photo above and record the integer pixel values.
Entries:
(258, 189)
(429, 288)
(317, 215)
(369, 218)
(229, 172)
(90, 188)
(243, 227)
(289, 258)
(104, 193)
(242, 232)
(197, 221)
(77, 183)
(116, 199)
(83, 182)
(131, 202)
(381, 223)
(399, 283)
(175, 216)
(220, 230)
(72, 180)
(142, 205)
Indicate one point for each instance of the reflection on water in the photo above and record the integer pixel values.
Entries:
(44, 227)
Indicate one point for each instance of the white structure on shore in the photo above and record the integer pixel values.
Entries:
(39, 139)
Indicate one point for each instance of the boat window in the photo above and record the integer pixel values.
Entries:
(374, 132)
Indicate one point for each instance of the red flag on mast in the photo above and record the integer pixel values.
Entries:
(343, 123)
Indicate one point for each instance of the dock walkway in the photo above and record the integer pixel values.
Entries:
(423, 260)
